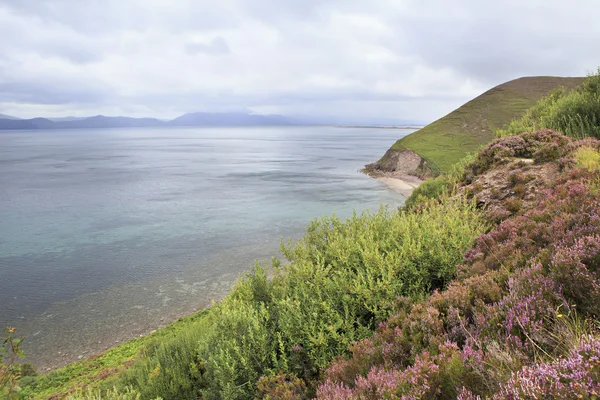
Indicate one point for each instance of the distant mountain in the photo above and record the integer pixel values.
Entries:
(64, 119)
(34, 123)
(230, 119)
(100, 121)
(358, 121)
(4, 116)
(190, 119)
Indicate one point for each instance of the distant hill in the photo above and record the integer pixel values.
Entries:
(229, 119)
(196, 119)
(91, 122)
(4, 116)
(34, 123)
(63, 119)
(100, 121)
(191, 119)
(445, 141)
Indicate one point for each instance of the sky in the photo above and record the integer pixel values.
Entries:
(406, 59)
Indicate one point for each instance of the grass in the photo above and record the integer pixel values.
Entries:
(588, 158)
(103, 369)
(447, 140)
(575, 113)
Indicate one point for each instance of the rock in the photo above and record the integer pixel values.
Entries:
(401, 162)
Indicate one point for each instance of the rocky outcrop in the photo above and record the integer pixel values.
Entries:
(399, 164)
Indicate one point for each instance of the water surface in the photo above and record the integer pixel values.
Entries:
(107, 234)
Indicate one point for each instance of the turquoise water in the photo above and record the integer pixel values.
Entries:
(111, 233)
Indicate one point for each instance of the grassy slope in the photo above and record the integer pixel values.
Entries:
(472, 125)
(101, 369)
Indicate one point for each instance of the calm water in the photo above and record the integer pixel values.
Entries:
(107, 234)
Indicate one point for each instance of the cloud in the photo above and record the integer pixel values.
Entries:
(385, 58)
(217, 46)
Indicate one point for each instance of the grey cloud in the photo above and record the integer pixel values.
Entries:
(378, 57)
(217, 46)
(52, 93)
(78, 55)
(497, 41)
(96, 17)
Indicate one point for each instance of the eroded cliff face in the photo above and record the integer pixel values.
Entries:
(398, 164)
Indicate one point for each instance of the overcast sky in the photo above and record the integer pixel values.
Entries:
(413, 60)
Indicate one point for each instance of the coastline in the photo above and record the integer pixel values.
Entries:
(404, 184)
(115, 349)
(109, 358)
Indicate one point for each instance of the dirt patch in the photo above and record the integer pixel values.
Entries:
(512, 188)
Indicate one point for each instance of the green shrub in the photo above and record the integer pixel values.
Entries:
(588, 158)
(434, 188)
(342, 280)
(513, 205)
(430, 189)
(126, 393)
(575, 113)
(10, 370)
(281, 387)
(170, 367)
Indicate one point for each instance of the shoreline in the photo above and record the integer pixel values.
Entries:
(403, 185)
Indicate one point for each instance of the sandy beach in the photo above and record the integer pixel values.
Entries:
(403, 185)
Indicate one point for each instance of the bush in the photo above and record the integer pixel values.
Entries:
(368, 308)
(342, 280)
(430, 189)
(281, 387)
(170, 367)
(428, 378)
(126, 393)
(588, 158)
(575, 113)
(10, 371)
(576, 376)
(542, 146)
(434, 188)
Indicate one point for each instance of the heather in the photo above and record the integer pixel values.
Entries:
(576, 375)
(520, 320)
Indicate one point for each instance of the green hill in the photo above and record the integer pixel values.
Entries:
(465, 129)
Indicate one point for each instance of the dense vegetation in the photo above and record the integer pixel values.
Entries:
(520, 322)
(575, 113)
(340, 283)
(487, 285)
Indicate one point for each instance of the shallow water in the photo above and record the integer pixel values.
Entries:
(107, 234)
